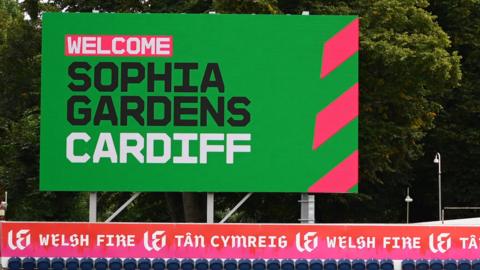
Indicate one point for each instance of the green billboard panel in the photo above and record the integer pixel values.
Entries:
(207, 102)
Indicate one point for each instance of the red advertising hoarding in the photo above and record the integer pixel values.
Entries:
(157, 240)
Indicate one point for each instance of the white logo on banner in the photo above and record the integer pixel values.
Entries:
(308, 242)
(158, 240)
(22, 239)
(441, 244)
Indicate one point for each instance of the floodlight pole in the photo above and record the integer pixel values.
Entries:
(408, 212)
(408, 200)
(438, 160)
(92, 210)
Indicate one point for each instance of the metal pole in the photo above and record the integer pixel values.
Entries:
(227, 216)
(408, 206)
(408, 200)
(307, 208)
(408, 214)
(307, 202)
(462, 208)
(92, 211)
(439, 186)
(124, 205)
(210, 207)
(311, 208)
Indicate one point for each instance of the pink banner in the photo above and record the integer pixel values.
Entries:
(118, 45)
(237, 241)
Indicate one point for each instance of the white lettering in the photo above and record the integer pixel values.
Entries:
(73, 46)
(76, 136)
(135, 150)
(232, 148)
(205, 148)
(167, 144)
(105, 139)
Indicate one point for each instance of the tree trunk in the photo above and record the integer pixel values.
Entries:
(175, 206)
(186, 206)
(194, 206)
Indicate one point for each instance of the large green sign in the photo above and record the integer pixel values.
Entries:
(210, 102)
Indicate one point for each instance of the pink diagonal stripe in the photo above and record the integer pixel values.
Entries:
(335, 116)
(339, 48)
(341, 179)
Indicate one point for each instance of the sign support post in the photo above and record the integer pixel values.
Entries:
(210, 195)
(210, 207)
(229, 214)
(124, 205)
(307, 210)
(92, 211)
(307, 202)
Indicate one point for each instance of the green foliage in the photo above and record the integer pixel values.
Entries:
(246, 6)
(32, 7)
(457, 132)
(172, 6)
(405, 66)
(19, 175)
(162, 6)
(100, 6)
(148, 207)
(19, 62)
(19, 123)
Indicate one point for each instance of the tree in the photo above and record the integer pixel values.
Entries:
(456, 135)
(19, 123)
(248, 7)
